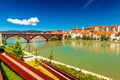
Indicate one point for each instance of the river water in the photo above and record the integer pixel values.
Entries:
(95, 56)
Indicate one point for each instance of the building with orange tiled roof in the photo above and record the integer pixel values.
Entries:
(115, 28)
(95, 31)
(76, 28)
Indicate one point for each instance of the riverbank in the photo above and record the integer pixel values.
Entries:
(32, 57)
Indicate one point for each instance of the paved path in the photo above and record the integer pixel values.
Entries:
(24, 68)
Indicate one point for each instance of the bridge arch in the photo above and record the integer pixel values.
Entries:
(22, 36)
(59, 36)
(38, 36)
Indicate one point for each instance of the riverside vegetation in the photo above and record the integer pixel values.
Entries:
(77, 73)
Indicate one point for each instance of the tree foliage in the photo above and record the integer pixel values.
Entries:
(105, 37)
(54, 38)
(4, 42)
(77, 37)
(51, 57)
(68, 37)
(16, 50)
(87, 37)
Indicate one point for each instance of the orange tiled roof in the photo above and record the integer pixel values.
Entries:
(76, 28)
(101, 26)
(112, 26)
(110, 32)
(85, 32)
(99, 32)
(93, 27)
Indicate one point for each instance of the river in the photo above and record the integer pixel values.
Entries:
(99, 57)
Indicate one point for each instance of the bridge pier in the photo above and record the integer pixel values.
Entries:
(63, 37)
(28, 41)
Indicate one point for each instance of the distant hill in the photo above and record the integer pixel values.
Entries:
(30, 31)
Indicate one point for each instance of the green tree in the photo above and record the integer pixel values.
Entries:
(17, 50)
(69, 37)
(91, 37)
(84, 37)
(51, 57)
(77, 37)
(88, 37)
(54, 38)
(117, 34)
(105, 37)
(4, 42)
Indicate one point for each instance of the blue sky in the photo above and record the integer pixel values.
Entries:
(47, 15)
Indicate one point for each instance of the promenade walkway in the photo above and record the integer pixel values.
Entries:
(54, 70)
(22, 70)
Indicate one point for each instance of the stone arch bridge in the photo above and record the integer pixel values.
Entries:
(29, 36)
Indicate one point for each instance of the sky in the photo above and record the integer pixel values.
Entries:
(48, 15)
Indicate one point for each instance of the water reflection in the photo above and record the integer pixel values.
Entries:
(12, 40)
(92, 46)
(97, 46)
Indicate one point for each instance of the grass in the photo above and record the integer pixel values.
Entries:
(43, 70)
(9, 74)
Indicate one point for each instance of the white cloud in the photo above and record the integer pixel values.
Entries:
(32, 21)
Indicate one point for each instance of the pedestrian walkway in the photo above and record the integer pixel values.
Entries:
(23, 67)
